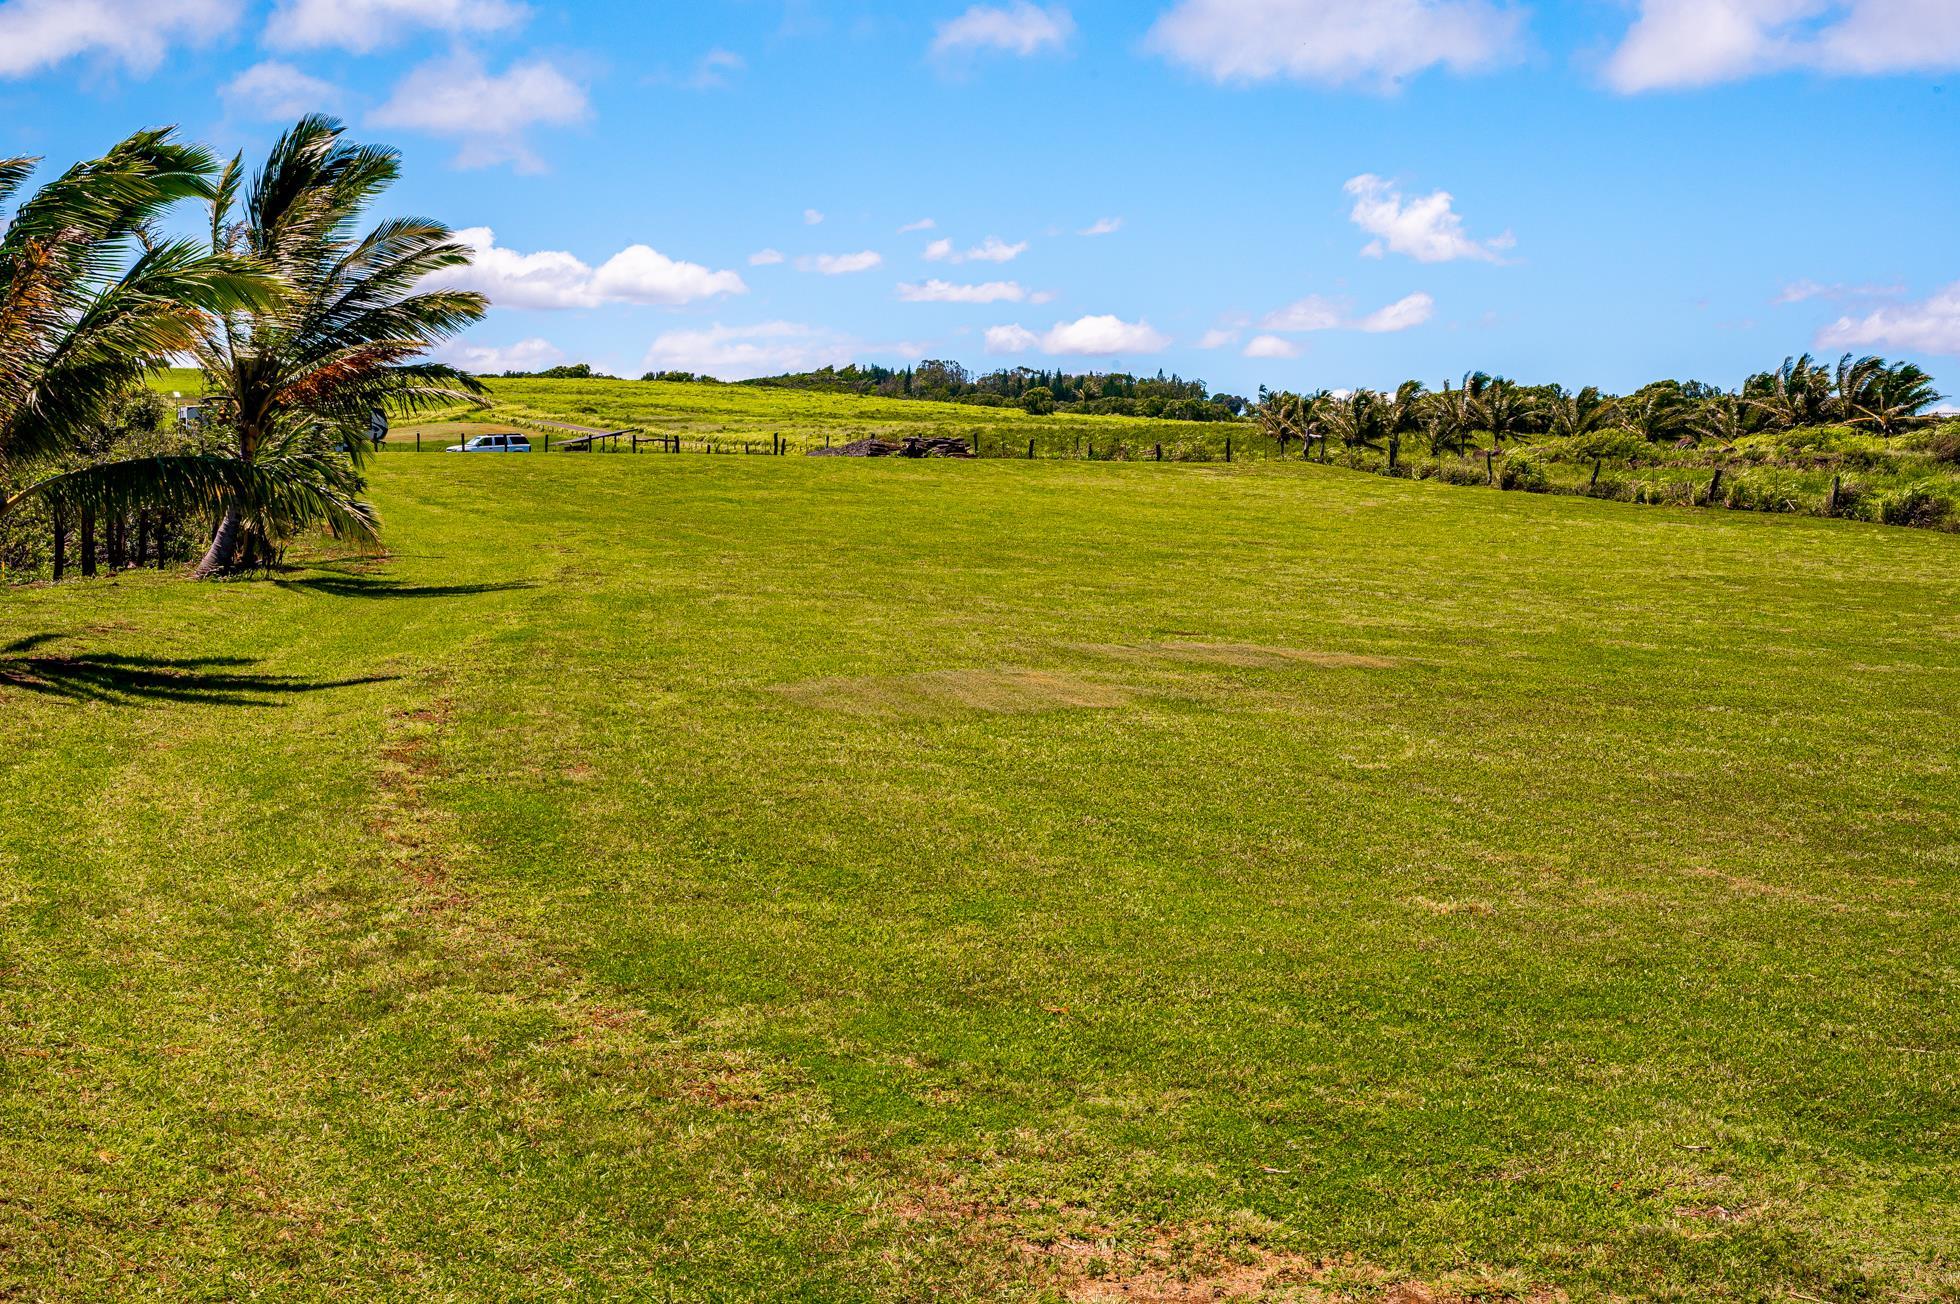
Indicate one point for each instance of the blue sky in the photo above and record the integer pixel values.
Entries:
(1299, 193)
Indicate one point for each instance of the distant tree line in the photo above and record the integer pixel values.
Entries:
(1169, 397)
(1863, 394)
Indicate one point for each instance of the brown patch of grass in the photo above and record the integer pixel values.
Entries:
(1077, 1257)
(402, 819)
(1743, 885)
(1251, 655)
(1482, 909)
(941, 692)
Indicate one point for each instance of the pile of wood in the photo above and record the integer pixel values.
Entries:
(911, 446)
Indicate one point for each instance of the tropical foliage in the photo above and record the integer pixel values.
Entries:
(91, 299)
(1861, 394)
(295, 384)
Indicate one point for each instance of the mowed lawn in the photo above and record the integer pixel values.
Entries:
(766, 878)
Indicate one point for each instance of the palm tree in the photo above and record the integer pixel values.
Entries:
(1795, 394)
(1722, 419)
(90, 300)
(1657, 413)
(1361, 419)
(1873, 396)
(296, 382)
(1455, 415)
(1507, 411)
(1408, 412)
(1570, 415)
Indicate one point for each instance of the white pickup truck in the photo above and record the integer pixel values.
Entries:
(493, 444)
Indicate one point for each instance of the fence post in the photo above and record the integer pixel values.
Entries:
(1031, 450)
(1160, 452)
(1490, 466)
(547, 441)
(1714, 485)
(418, 441)
(1594, 483)
(1228, 448)
(1831, 503)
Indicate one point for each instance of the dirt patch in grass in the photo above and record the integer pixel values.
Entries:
(1251, 655)
(1172, 1271)
(943, 692)
(1071, 1253)
(402, 819)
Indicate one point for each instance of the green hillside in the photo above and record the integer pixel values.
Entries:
(751, 878)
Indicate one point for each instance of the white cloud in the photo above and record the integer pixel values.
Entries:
(488, 359)
(1427, 229)
(136, 34)
(1805, 290)
(994, 250)
(1401, 315)
(487, 112)
(923, 224)
(277, 91)
(811, 217)
(991, 250)
(1104, 336)
(1011, 339)
(765, 257)
(947, 292)
(1271, 346)
(1312, 313)
(364, 26)
(1335, 42)
(1932, 326)
(1315, 313)
(1019, 28)
(1043, 296)
(1218, 338)
(1683, 43)
(1103, 226)
(840, 264)
(713, 70)
(547, 280)
(744, 352)
(639, 274)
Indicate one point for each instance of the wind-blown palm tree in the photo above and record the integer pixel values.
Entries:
(90, 300)
(1722, 419)
(1361, 419)
(1570, 415)
(1870, 395)
(1657, 413)
(296, 382)
(1507, 411)
(1798, 393)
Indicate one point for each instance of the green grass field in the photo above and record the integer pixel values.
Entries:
(770, 878)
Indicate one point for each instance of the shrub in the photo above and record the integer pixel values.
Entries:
(1523, 473)
(1461, 472)
(1615, 487)
(1917, 505)
(1942, 443)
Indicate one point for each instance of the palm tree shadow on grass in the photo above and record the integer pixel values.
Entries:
(340, 584)
(130, 680)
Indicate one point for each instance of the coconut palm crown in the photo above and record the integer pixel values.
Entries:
(295, 383)
(90, 300)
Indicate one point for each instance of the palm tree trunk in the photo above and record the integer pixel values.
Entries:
(60, 543)
(88, 543)
(224, 546)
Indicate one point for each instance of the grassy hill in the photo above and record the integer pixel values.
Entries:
(747, 878)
